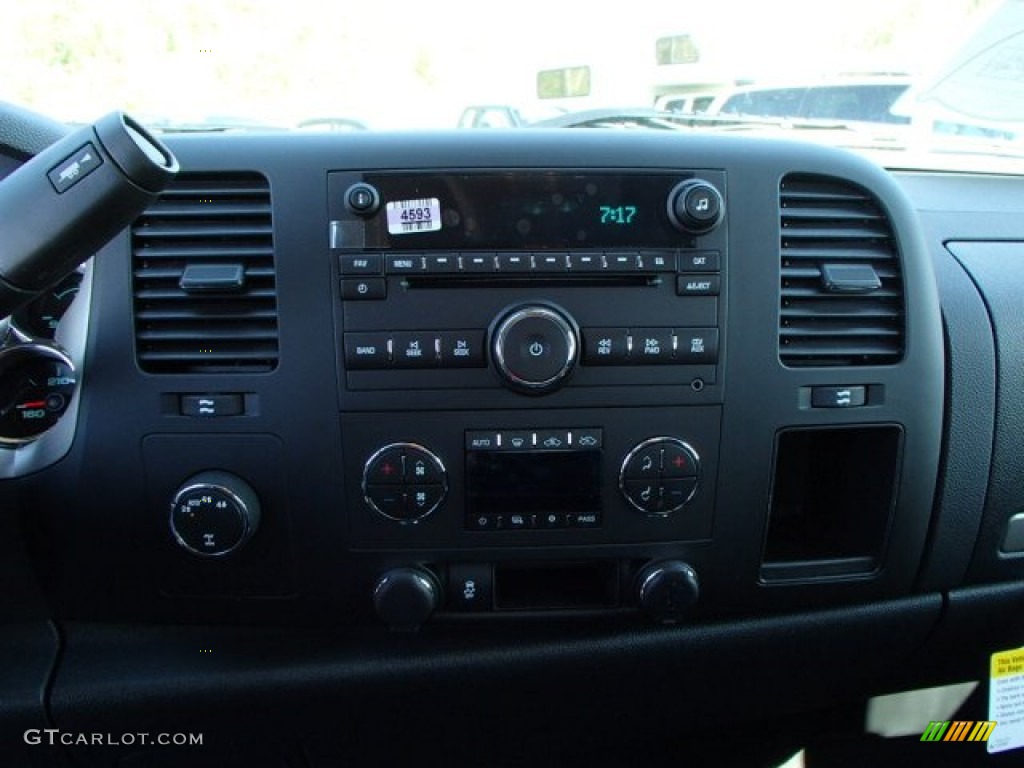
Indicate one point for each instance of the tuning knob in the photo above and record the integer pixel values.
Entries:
(667, 590)
(214, 513)
(406, 597)
(695, 206)
(535, 348)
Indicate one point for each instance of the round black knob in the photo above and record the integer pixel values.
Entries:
(695, 206)
(667, 590)
(362, 199)
(404, 598)
(214, 513)
(535, 349)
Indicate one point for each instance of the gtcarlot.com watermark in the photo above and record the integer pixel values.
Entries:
(54, 736)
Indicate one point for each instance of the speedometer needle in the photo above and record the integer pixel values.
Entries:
(33, 404)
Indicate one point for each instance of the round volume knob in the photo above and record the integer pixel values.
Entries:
(404, 598)
(214, 513)
(667, 590)
(535, 349)
(695, 206)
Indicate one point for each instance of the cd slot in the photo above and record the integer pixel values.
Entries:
(491, 281)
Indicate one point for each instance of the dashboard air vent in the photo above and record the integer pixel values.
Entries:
(204, 281)
(842, 289)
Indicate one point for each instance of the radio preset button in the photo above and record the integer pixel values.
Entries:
(478, 262)
(586, 262)
(442, 263)
(534, 349)
(550, 262)
(514, 262)
(622, 262)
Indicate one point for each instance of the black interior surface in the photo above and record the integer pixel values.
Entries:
(822, 551)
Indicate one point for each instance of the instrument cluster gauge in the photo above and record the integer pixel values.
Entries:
(37, 382)
(39, 318)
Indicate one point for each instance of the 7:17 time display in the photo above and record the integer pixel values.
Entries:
(617, 214)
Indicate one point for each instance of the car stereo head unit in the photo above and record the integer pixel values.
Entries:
(529, 282)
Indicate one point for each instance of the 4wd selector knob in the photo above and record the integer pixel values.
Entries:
(535, 348)
(695, 206)
(214, 513)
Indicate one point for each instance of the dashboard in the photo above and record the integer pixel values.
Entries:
(513, 441)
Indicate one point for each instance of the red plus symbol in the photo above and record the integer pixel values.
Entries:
(387, 469)
(679, 461)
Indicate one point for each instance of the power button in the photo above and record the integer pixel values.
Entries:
(535, 348)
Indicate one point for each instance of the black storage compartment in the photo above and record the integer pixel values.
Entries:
(832, 500)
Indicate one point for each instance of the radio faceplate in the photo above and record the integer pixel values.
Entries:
(430, 268)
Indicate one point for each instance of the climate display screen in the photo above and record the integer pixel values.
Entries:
(528, 483)
(522, 210)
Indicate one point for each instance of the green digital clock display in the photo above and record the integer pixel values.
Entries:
(617, 214)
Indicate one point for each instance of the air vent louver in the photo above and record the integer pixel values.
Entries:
(832, 227)
(202, 223)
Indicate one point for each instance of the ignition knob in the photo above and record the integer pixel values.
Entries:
(214, 513)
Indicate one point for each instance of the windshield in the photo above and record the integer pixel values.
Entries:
(865, 72)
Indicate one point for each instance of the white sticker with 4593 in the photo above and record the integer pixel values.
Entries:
(408, 217)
